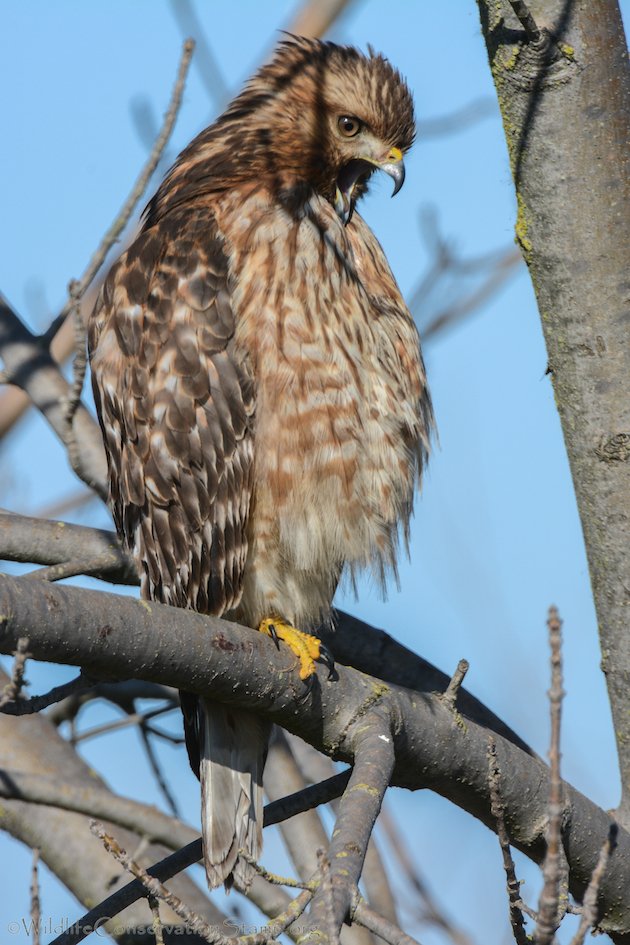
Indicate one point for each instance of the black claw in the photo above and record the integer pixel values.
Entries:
(326, 657)
(274, 636)
(309, 683)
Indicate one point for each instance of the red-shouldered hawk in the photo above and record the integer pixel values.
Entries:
(259, 384)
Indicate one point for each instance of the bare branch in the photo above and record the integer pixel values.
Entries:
(133, 718)
(549, 915)
(380, 926)
(35, 904)
(314, 766)
(30, 366)
(154, 764)
(15, 706)
(359, 807)
(158, 931)
(192, 853)
(77, 288)
(33, 746)
(205, 61)
(77, 499)
(517, 921)
(458, 120)
(12, 692)
(527, 21)
(36, 541)
(121, 694)
(431, 911)
(28, 362)
(109, 633)
(13, 401)
(326, 886)
(304, 835)
(589, 905)
(27, 539)
(449, 696)
(315, 17)
(155, 888)
(123, 217)
(96, 801)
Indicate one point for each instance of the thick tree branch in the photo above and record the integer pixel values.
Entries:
(38, 541)
(33, 540)
(374, 757)
(566, 114)
(303, 836)
(108, 634)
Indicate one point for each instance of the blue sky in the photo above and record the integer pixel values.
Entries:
(496, 537)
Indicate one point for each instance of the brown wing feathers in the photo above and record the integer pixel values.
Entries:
(176, 406)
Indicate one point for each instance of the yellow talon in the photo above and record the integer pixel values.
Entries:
(305, 646)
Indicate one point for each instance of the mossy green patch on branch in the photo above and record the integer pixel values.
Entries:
(522, 226)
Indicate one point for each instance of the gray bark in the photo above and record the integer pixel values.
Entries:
(434, 747)
(31, 367)
(33, 747)
(565, 104)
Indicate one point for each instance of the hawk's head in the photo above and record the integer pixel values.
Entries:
(325, 116)
(316, 117)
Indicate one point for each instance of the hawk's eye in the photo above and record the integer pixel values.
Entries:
(349, 126)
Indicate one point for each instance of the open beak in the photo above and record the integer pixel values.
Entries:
(360, 169)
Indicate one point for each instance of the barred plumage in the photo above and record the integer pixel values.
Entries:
(259, 381)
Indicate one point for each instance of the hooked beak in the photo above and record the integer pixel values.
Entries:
(360, 169)
(395, 167)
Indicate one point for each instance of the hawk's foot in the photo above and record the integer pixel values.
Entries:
(306, 647)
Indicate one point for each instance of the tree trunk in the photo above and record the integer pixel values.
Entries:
(565, 103)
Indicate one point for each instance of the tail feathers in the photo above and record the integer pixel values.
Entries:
(232, 752)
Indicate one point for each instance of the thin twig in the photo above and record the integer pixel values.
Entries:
(589, 905)
(274, 878)
(35, 903)
(12, 692)
(278, 924)
(154, 906)
(133, 718)
(59, 507)
(193, 921)
(165, 736)
(155, 888)
(375, 923)
(206, 63)
(548, 911)
(527, 21)
(78, 287)
(459, 120)
(79, 366)
(14, 706)
(449, 697)
(497, 809)
(431, 910)
(276, 812)
(157, 771)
